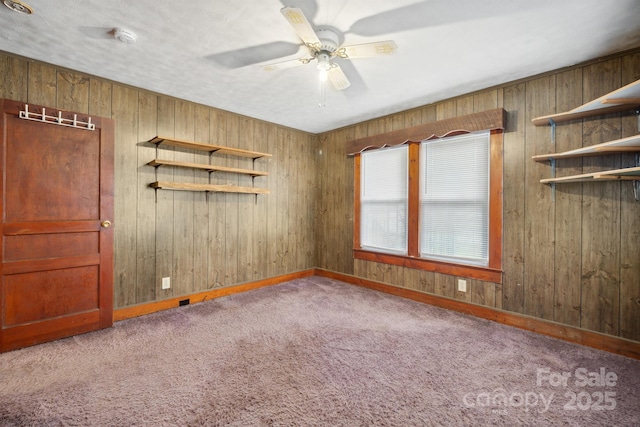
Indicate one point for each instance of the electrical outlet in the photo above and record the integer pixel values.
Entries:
(166, 282)
(462, 285)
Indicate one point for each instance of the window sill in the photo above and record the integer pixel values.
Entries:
(487, 274)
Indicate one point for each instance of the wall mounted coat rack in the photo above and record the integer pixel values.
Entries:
(56, 120)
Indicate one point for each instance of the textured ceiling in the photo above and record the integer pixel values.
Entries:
(210, 51)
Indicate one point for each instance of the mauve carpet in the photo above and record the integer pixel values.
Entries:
(315, 352)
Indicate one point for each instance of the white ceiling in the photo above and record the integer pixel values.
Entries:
(210, 51)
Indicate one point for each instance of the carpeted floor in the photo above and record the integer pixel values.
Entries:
(315, 352)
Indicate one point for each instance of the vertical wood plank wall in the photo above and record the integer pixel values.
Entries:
(201, 241)
(574, 260)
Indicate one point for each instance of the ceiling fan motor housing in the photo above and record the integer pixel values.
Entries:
(329, 40)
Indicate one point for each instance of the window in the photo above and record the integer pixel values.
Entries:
(454, 199)
(433, 205)
(383, 200)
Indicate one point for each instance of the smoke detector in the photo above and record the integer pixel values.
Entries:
(18, 6)
(124, 35)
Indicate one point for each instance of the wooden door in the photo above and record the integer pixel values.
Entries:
(57, 243)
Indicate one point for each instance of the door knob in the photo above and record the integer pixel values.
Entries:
(106, 223)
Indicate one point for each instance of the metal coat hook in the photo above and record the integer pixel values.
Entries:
(56, 120)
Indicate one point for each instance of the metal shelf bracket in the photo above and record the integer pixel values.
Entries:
(636, 183)
(552, 163)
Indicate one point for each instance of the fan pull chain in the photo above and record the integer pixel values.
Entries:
(322, 101)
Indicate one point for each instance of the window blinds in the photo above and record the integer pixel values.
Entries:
(383, 200)
(454, 199)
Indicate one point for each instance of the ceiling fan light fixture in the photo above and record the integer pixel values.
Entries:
(323, 61)
(323, 65)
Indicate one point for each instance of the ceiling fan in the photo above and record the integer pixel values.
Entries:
(325, 45)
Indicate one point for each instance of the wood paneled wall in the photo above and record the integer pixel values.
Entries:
(201, 241)
(574, 259)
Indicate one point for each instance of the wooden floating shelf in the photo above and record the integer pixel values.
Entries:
(627, 174)
(623, 99)
(175, 142)
(208, 168)
(207, 187)
(624, 145)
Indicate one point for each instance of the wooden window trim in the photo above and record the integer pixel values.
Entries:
(486, 120)
(492, 272)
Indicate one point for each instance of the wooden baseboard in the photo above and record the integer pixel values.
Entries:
(572, 334)
(154, 306)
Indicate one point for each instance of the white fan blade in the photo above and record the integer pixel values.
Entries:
(337, 78)
(387, 47)
(286, 64)
(302, 26)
